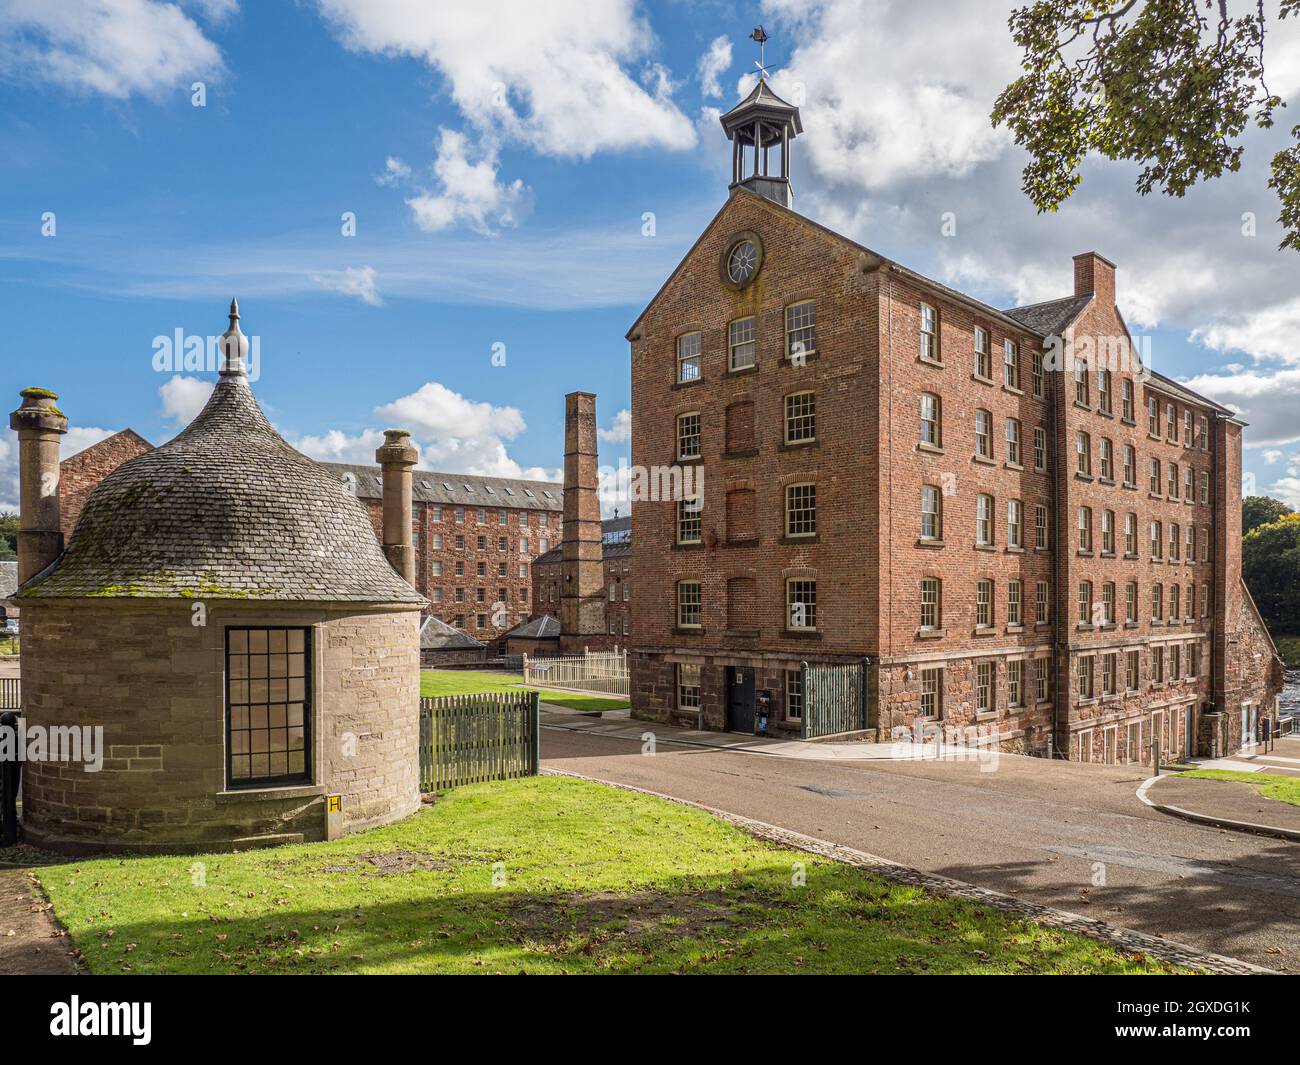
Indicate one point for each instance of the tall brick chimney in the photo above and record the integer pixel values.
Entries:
(582, 570)
(39, 424)
(1094, 275)
(396, 457)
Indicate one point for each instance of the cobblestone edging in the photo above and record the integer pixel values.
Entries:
(1122, 938)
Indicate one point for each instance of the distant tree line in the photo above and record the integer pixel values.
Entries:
(8, 536)
(1270, 561)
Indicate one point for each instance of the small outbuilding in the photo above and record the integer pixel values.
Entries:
(224, 614)
(445, 645)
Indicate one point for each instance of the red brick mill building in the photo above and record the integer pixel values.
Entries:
(1018, 535)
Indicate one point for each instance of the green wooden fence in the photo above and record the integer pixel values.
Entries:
(466, 739)
(835, 699)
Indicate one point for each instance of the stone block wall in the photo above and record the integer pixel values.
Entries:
(155, 683)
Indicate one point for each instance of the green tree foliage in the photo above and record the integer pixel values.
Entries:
(8, 536)
(1261, 510)
(1168, 84)
(1270, 564)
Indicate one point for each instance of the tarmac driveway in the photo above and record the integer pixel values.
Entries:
(1065, 835)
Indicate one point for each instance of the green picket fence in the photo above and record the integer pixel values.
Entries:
(467, 739)
(836, 699)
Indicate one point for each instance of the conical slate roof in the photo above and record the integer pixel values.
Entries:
(226, 510)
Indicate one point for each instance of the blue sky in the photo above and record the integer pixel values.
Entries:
(500, 161)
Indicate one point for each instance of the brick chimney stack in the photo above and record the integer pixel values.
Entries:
(582, 567)
(39, 424)
(396, 458)
(1094, 275)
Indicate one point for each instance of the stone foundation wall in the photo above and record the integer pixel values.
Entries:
(155, 683)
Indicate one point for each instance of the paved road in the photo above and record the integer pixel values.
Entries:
(1071, 836)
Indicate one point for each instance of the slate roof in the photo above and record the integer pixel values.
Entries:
(8, 579)
(456, 489)
(1050, 318)
(437, 635)
(226, 510)
(544, 627)
(615, 542)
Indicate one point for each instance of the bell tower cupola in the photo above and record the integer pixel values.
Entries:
(760, 129)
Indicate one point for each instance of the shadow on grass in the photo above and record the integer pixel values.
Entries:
(1217, 905)
(842, 921)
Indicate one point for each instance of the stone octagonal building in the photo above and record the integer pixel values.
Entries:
(224, 612)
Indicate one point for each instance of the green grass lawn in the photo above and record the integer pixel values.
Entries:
(1289, 648)
(543, 875)
(1271, 786)
(437, 682)
(9, 645)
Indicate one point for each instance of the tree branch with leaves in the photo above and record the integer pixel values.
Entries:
(1169, 84)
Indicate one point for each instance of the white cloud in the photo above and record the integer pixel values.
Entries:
(885, 96)
(113, 47)
(714, 63)
(469, 191)
(1286, 489)
(1265, 398)
(614, 490)
(620, 430)
(183, 397)
(452, 432)
(552, 76)
(1265, 333)
(395, 172)
(356, 281)
(1271, 456)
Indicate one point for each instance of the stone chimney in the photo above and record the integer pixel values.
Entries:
(39, 424)
(396, 458)
(1094, 275)
(582, 568)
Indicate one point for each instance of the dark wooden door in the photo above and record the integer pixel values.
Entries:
(740, 699)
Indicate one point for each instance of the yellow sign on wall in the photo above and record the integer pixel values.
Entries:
(334, 804)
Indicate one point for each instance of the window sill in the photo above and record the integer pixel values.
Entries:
(794, 445)
(1082, 476)
(742, 371)
(748, 541)
(688, 630)
(929, 449)
(984, 630)
(1013, 466)
(1128, 421)
(1010, 550)
(260, 794)
(930, 543)
(814, 538)
(1131, 625)
(743, 453)
(1040, 626)
(698, 545)
(679, 385)
(1083, 406)
(1084, 552)
(1103, 412)
(803, 358)
(931, 634)
(1109, 482)
(938, 364)
(745, 634)
(1129, 487)
(802, 634)
(1108, 554)
(985, 547)
(1083, 626)
(982, 379)
(983, 460)
(1013, 390)
(1015, 629)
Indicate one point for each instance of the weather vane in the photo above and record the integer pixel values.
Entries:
(760, 35)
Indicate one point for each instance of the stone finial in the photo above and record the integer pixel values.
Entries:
(234, 346)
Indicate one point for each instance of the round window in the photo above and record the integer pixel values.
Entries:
(742, 262)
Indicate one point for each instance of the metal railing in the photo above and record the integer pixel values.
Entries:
(593, 671)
